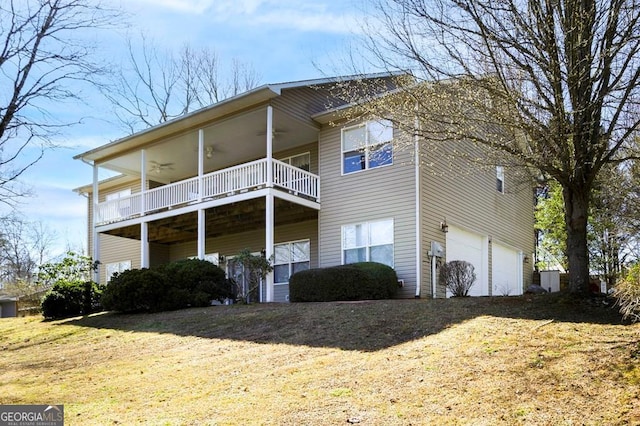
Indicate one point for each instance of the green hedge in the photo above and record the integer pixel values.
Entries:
(357, 281)
(71, 298)
(181, 284)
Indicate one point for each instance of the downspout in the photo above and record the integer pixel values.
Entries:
(434, 281)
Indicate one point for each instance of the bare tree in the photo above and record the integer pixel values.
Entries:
(552, 84)
(43, 60)
(160, 85)
(24, 246)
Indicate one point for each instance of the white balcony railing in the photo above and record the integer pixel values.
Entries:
(221, 183)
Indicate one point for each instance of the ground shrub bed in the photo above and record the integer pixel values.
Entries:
(176, 285)
(357, 281)
(72, 298)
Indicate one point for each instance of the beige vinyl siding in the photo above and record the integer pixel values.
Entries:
(230, 245)
(386, 192)
(301, 103)
(102, 196)
(465, 194)
(159, 254)
(117, 249)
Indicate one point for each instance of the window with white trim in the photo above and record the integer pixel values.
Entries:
(367, 146)
(290, 258)
(301, 161)
(116, 267)
(368, 242)
(117, 195)
(123, 207)
(500, 179)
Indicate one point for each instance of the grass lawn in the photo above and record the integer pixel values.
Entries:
(534, 360)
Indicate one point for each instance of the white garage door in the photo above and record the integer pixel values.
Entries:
(465, 245)
(506, 271)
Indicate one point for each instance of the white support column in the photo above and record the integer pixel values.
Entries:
(144, 245)
(269, 241)
(418, 212)
(201, 234)
(94, 234)
(200, 162)
(269, 146)
(143, 183)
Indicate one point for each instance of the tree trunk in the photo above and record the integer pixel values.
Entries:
(576, 202)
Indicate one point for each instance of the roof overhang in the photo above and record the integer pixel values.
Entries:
(184, 123)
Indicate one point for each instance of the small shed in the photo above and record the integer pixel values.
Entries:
(8, 306)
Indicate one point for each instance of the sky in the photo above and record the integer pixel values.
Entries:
(284, 40)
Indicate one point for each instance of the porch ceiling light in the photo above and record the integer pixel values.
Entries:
(208, 151)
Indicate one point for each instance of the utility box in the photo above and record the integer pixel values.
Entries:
(550, 281)
(436, 250)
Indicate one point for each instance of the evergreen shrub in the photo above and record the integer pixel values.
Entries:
(357, 281)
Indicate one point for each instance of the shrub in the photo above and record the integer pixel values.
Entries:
(385, 279)
(71, 298)
(137, 290)
(202, 280)
(359, 281)
(458, 276)
(627, 291)
(181, 284)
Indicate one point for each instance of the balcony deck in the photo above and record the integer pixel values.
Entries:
(218, 184)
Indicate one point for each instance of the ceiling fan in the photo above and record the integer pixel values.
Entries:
(275, 132)
(158, 168)
(209, 150)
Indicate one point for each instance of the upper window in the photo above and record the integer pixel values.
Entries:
(500, 179)
(367, 146)
(122, 207)
(301, 161)
(118, 195)
(368, 242)
(290, 258)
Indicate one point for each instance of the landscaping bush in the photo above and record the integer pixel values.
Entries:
(358, 281)
(137, 290)
(627, 291)
(181, 284)
(202, 280)
(458, 276)
(71, 298)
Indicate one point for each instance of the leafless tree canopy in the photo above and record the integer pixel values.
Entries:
(553, 84)
(158, 85)
(42, 61)
(24, 246)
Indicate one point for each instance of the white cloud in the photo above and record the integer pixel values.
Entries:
(308, 21)
(185, 6)
(318, 16)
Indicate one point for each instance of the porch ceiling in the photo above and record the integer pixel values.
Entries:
(223, 220)
(234, 140)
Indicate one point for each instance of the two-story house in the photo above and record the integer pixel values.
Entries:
(274, 170)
